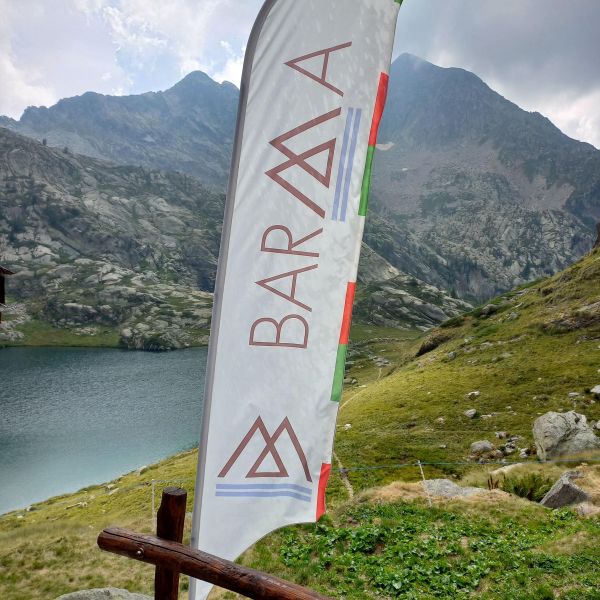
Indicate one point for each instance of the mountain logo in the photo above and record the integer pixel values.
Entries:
(269, 449)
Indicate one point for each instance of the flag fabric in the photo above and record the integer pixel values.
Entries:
(312, 95)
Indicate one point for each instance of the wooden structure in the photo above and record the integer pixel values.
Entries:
(170, 557)
(4, 273)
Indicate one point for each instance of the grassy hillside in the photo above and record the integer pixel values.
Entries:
(525, 357)
(541, 343)
(386, 543)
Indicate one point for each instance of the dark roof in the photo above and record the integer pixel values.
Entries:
(4, 271)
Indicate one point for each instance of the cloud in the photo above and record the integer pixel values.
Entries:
(50, 51)
(232, 69)
(20, 88)
(185, 34)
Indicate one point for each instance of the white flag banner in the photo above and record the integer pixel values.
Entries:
(312, 95)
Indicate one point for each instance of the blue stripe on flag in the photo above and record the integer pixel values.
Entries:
(350, 168)
(257, 494)
(342, 164)
(264, 486)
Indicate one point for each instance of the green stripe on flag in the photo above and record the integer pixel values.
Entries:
(366, 184)
(338, 376)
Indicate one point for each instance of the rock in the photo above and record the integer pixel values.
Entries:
(481, 447)
(557, 434)
(104, 594)
(448, 489)
(587, 509)
(471, 413)
(474, 394)
(564, 492)
(347, 426)
(573, 394)
(440, 420)
(595, 389)
(451, 355)
(489, 309)
(501, 435)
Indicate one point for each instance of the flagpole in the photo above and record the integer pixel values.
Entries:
(221, 274)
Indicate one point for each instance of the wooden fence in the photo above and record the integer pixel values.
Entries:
(171, 558)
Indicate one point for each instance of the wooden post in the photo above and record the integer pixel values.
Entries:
(169, 526)
(201, 565)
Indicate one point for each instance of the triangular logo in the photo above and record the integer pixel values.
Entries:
(320, 76)
(269, 450)
(301, 160)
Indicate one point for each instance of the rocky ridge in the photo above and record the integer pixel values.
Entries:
(97, 246)
(470, 194)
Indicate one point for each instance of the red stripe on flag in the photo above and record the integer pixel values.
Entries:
(324, 477)
(347, 319)
(379, 106)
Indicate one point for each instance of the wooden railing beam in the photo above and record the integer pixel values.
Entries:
(178, 558)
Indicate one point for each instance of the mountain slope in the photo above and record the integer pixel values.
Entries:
(116, 252)
(470, 193)
(187, 128)
(530, 351)
(473, 193)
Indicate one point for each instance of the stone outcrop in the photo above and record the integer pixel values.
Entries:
(104, 594)
(564, 492)
(448, 489)
(559, 434)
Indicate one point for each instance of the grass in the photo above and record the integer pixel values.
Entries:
(386, 543)
(40, 334)
(407, 550)
(522, 366)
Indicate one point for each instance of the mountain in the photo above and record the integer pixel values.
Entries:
(187, 128)
(128, 255)
(99, 247)
(472, 193)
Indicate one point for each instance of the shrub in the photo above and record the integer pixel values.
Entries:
(533, 486)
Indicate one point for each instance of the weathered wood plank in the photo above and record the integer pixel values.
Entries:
(201, 565)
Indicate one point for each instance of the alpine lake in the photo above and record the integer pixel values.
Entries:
(72, 417)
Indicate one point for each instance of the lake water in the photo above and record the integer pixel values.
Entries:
(72, 417)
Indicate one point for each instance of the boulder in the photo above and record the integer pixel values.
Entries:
(471, 413)
(564, 492)
(481, 447)
(488, 310)
(595, 389)
(448, 489)
(104, 594)
(557, 434)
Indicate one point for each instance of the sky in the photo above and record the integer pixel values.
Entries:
(541, 54)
